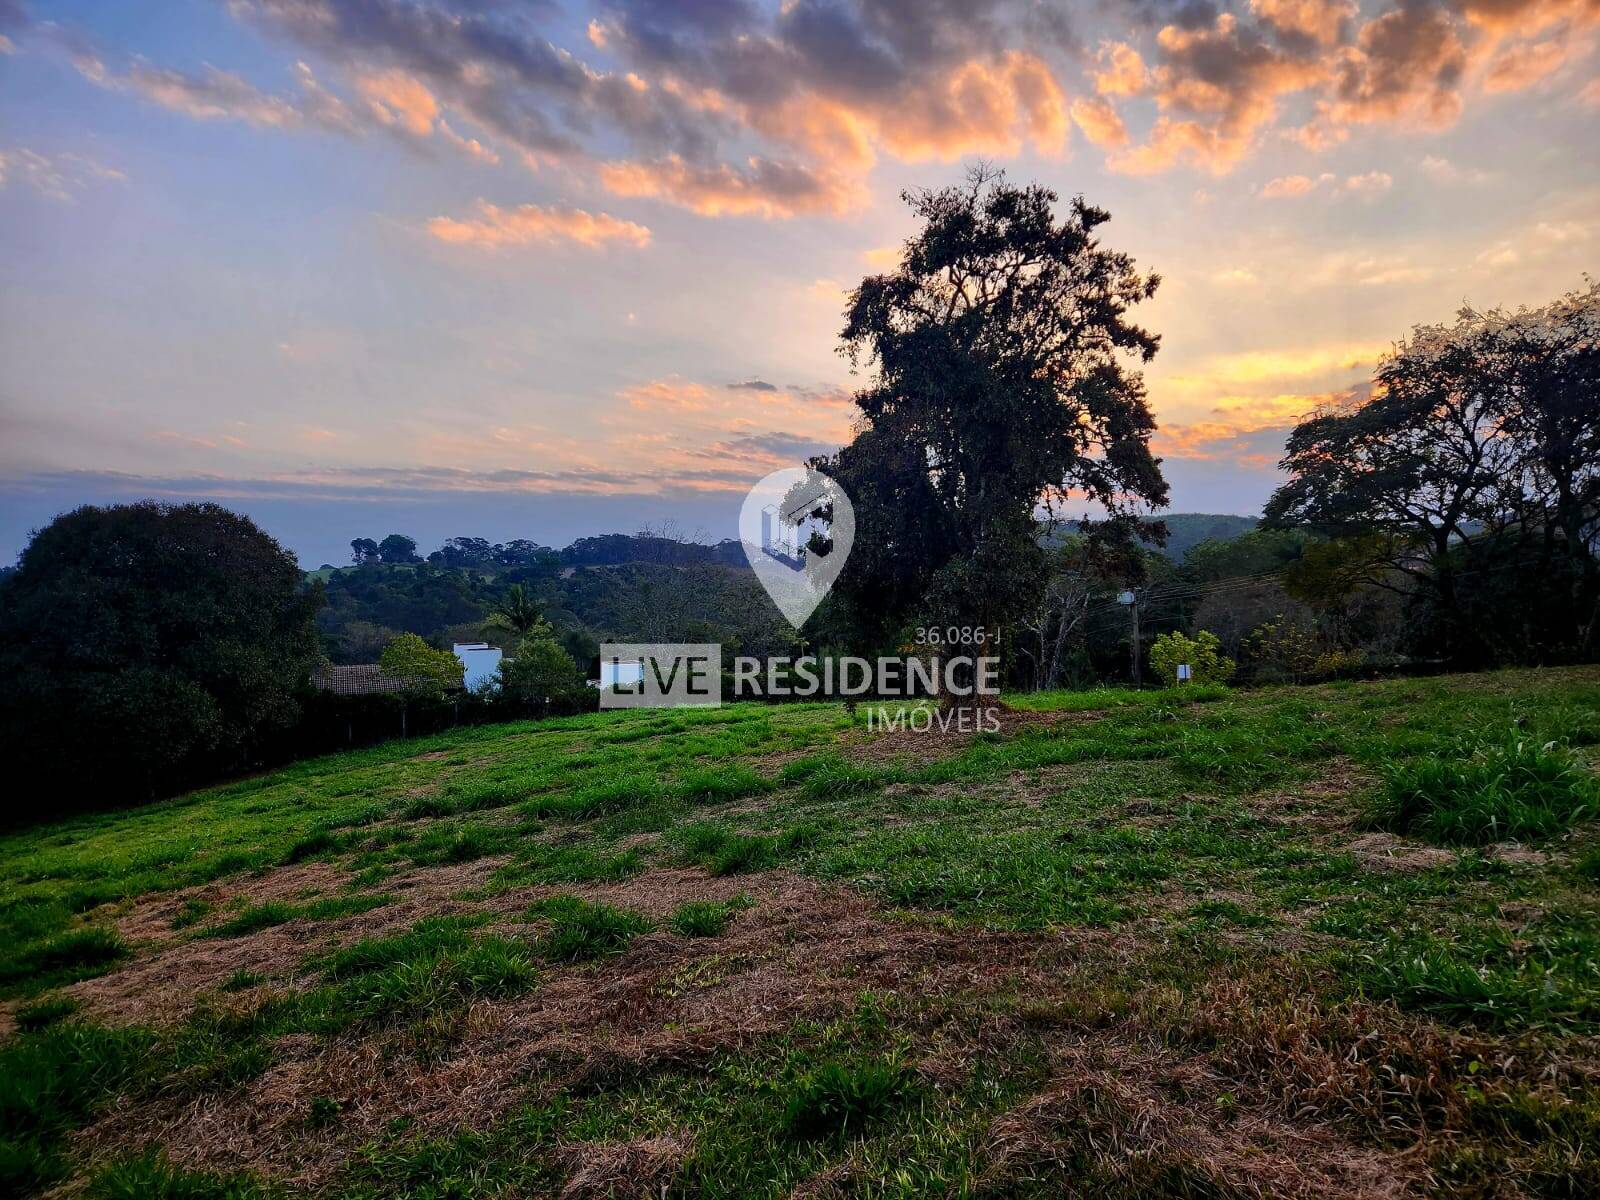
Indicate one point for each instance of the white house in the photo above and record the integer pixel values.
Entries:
(480, 663)
(614, 673)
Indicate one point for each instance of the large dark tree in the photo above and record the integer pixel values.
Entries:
(1000, 353)
(1479, 438)
(1544, 364)
(143, 646)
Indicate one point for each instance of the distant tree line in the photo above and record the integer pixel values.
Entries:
(605, 550)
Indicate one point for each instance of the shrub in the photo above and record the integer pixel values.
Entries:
(1203, 653)
(1510, 789)
(541, 677)
(427, 672)
(145, 646)
(840, 1098)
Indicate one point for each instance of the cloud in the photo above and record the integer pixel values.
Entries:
(214, 95)
(754, 385)
(1525, 18)
(495, 227)
(1445, 171)
(395, 97)
(1369, 184)
(1290, 185)
(1249, 431)
(1321, 21)
(58, 177)
(1406, 66)
(1121, 71)
(762, 188)
(1217, 86)
(1529, 63)
(1099, 120)
(1242, 383)
(732, 108)
(1287, 186)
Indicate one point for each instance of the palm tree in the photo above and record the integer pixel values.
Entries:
(518, 611)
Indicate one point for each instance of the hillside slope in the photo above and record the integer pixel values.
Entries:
(1135, 944)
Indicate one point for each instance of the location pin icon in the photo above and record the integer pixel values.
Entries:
(797, 527)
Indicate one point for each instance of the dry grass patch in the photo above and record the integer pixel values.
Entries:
(801, 951)
(1121, 1120)
(641, 1169)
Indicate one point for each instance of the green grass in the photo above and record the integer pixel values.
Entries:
(704, 918)
(256, 917)
(1176, 838)
(579, 931)
(150, 1176)
(45, 1012)
(1513, 788)
(433, 968)
(722, 850)
(51, 1082)
(60, 958)
(842, 1098)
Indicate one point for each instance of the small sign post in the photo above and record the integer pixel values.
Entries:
(1184, 673)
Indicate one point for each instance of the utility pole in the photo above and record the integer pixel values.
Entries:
(1131, 599)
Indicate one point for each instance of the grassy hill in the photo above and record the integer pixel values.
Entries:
(1339, 940)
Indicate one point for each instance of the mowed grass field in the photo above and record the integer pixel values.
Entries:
(1321, 941)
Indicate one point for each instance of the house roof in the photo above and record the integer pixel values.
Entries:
(361, 679)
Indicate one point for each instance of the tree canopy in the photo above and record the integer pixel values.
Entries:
(1002, 370)
(147, 644)
(540, 677)
(1477, 452)
(427, 672)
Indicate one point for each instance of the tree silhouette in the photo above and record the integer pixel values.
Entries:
(999, 350)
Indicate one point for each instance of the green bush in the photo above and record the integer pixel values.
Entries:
(716, 785)
(1492, 792)
(1203, 653)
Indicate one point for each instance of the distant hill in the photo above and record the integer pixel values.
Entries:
(1186, 530)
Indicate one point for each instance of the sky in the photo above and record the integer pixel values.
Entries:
(546, 269)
